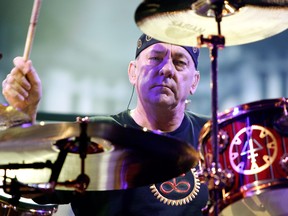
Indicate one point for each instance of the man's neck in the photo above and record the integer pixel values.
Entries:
(163, 120)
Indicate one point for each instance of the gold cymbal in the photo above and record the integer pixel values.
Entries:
(117, 157)
(265, 3)
(183, 21)
(9, 117)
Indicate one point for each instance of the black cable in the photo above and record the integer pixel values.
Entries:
(133, 89)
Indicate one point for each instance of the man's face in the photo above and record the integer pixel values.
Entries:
(165, 74)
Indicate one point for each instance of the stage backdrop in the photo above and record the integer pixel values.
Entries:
(82, 50)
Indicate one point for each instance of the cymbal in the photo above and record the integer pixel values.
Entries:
(127, 158)
(264, 3)
(9, 117)
(183, 21)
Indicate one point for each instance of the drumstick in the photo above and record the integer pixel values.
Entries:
(31, 30)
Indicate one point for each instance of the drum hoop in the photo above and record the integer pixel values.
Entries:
(247, 108)
(238, 111)
(255, 188)
(258, 187)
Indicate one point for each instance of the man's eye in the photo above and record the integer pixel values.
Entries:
(155, 58)
(180, 63)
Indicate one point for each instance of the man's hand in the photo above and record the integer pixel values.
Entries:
(22, 87)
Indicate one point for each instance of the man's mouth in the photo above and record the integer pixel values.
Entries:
(163, 87)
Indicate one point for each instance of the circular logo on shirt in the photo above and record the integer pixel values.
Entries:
(178, 191)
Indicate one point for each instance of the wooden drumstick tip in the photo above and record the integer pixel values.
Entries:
(31, 30)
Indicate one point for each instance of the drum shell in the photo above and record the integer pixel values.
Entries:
(271, 147)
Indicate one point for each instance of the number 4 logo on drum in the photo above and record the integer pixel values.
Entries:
(252, 142)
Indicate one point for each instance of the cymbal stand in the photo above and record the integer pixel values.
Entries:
(58, 164)
(214, 42)
(16, 189)
(80, 146)
(83, 180)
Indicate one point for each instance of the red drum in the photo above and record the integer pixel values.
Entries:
(252, 158)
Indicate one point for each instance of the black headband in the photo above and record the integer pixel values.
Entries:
(145, 41)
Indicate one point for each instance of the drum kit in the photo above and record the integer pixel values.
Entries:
(242, 153)
(245, 161)
(86, 156)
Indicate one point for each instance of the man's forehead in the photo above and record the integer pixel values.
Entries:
(163, 47)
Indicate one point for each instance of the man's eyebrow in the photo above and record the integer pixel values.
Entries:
(157, 51)
(180, 54)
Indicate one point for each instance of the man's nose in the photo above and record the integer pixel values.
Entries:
(168, 69)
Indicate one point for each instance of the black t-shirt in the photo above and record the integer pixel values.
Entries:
(179, 196)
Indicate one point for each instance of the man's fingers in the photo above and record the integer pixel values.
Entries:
(33, 77)
(16, 77)
(15, 91)
(21, 64)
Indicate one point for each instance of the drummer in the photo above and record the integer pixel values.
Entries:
(163, 76)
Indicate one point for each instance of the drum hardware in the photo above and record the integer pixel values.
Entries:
(217, 179)
(171, 22)
(80, 184)
(17, 189)
(83, 141)
(13, 203)
(204, 8)
(224, 139)
(47, 164)
(284, 162)
(281, 123)
(57, 166)
(78, 145)
(82, 181)
(214, 42)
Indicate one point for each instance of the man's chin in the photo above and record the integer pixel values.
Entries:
(164, 100)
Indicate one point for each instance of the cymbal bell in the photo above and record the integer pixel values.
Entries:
(9, 117)
(183, 21)
(127, 158)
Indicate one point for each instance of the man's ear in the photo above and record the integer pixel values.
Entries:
(132, 72)
(195, 82)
